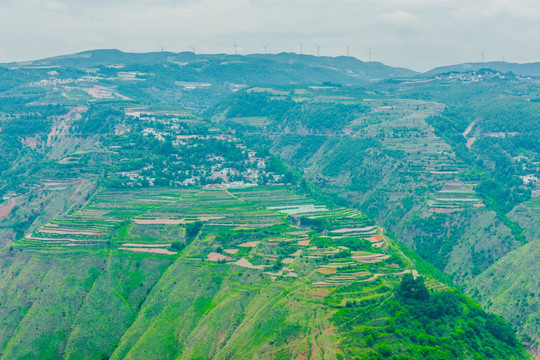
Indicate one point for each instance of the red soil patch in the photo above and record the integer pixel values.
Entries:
(273, 244)
(231, 251)
(375, 238)
(327, 271)
(479, 205)
(303, 242)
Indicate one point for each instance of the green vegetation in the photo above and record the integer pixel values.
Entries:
(134, 228)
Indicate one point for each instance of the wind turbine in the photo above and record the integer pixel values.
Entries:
(318, 49)
(301, 48)
(348, 48)
(162, 47)
(369, 55)
(265, 46)
(482, 53)
(235, 45)
(193, 48)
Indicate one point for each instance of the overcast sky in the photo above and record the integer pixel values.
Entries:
(418, 34)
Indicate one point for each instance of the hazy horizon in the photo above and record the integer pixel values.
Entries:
(415, 34)
(268, 53)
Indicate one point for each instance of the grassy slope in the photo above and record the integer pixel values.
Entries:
(510, 288)
(463, 244)
(139, 307)
(73, 305)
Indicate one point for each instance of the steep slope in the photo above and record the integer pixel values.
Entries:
(118, 199)
(510, 288)
(410, 163)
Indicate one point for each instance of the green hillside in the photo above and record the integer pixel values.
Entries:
(269, 275)
(511, 287)
(270, 226)
(451, 177)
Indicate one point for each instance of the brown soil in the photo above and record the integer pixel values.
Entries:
(149, 250)
(71, 232)
(375, 238)
(246, 264)
(214, 256)
(249, 244)
(327, 271)
(346, 230)
(231, 251)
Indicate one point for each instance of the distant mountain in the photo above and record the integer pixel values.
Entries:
(530, 69)
(283, 68)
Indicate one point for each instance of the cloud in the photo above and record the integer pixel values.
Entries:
(414, 33)
(399, 17)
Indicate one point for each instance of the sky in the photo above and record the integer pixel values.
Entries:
(417, 34)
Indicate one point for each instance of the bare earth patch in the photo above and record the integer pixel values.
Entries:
(231, 251)
(71, 232)
(327, 271)
(287, 261)
(246, 264)
(346, 230)
(249, 244)
(375, 238)
(303, 242)
(149, 250)
(371, 259)
(214, 256)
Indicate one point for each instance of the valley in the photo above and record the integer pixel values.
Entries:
(166, 210)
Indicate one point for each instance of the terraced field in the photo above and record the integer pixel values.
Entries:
(269, 229)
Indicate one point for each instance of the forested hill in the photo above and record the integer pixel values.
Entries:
(282, 68)
(527, 69)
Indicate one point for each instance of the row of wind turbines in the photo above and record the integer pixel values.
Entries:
(317, 46)
(266, 49)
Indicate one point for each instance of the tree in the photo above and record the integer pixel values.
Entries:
(411, 288)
